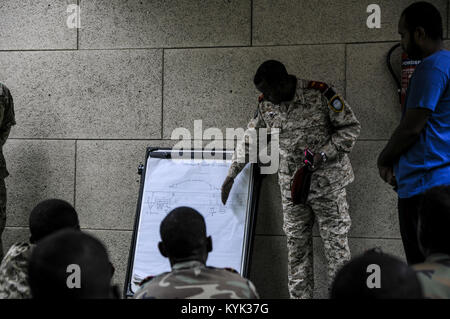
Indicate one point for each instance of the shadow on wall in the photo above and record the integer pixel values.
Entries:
(31, 173)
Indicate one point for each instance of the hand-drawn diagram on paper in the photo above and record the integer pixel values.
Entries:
(197, 192)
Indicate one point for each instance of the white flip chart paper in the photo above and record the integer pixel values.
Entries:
(171, 183)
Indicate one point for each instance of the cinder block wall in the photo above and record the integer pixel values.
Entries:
(89, 101)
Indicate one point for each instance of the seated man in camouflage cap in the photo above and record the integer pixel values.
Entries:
(46, 218)
(184, 242)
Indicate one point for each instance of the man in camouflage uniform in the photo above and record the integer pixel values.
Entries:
(14, 272)
(308, 115)
(46, 218)
(434, 276)
(184, 242)
(434, 239)
(7, 119)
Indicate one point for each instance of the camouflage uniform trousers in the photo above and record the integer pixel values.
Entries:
(2, 213)
(331, 212)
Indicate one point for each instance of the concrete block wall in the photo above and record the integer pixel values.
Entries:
(89, 101)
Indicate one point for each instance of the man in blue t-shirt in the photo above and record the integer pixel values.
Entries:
(417, 156)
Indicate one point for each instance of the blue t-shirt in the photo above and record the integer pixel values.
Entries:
(427, 163)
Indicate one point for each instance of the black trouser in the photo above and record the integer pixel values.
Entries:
(408, 213)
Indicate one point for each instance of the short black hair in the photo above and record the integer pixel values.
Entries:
(271, 72)
(51, 215)
(48, 268)
(434, 220)
(425, 15)
(183, 232)
(397, 279)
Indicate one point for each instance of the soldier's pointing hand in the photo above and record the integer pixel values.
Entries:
(226, 189)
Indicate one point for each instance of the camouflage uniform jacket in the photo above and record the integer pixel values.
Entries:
(306, 122)
(434, 276)
(14, 272)
(7, 119)
(194, 280)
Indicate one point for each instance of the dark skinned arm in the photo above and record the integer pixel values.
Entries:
(404, 137)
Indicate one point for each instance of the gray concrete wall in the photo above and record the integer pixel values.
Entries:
(89, 101)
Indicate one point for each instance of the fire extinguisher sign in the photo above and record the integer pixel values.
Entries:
(408, 67)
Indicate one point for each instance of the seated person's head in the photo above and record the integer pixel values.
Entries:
(434, 221)
(50, 216)
(362, 279)
(50, 271)
(183, 234)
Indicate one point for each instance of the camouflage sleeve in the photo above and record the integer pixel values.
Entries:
(14, 272)
(4, 134)
(244, 146)
(346, 129)
(254, 293)
(3, 104)
(7, 116)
